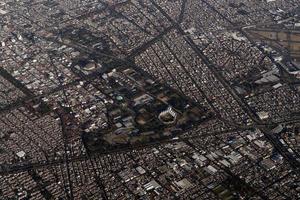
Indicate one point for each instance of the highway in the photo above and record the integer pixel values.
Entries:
(265, 128)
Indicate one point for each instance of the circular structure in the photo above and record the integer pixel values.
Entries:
(90, 66)
(168, 116)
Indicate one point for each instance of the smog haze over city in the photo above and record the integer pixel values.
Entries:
(149, 99)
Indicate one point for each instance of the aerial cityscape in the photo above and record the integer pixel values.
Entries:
(149, 99)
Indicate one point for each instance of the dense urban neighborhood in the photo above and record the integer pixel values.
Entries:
(149, 99)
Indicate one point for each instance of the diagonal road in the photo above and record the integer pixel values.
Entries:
(265, 128)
